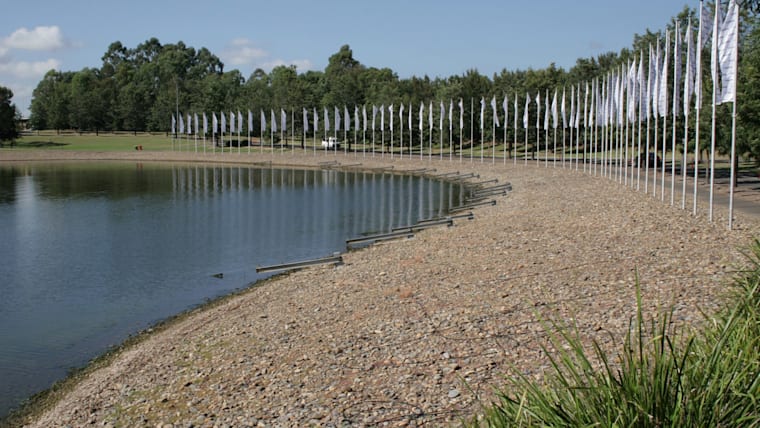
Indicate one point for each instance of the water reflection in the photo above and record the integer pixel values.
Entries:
(94, 252)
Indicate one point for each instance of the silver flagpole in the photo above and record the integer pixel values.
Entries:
(546, 130)
(656, 139)
(733, 161)
(391, 127)
(401, 132)
(382, 134)
(638, 151)
(472, 129)
(506, 125)
(493, 134)
(538, 130)
(515, 133)
(585, 128)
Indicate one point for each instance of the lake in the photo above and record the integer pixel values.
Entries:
(91, 253)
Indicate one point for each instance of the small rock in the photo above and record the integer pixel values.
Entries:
(454, 393)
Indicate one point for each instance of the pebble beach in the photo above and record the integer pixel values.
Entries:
(420, 331)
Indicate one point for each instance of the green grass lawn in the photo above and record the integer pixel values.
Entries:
(105, 142)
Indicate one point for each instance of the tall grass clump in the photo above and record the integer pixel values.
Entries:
(661, 378)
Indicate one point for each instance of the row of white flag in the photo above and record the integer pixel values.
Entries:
(627, 92)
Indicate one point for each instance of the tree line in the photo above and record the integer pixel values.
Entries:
(138, 89)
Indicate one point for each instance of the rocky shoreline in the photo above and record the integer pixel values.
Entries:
(418, 331)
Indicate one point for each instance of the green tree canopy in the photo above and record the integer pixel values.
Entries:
(8, 116)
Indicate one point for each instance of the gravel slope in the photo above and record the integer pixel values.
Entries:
(417, 331)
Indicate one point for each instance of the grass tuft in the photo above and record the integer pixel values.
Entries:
(662, 377)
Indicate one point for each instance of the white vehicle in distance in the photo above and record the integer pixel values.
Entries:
(331, 143)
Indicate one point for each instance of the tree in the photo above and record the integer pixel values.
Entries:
(9, 116)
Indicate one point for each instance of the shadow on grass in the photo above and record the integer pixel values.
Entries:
(38, 144)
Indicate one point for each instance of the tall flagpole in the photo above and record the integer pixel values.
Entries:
(515, 133)
(733, 119)
(440, 129)
(493, 134)
(506, 125)
(401, 130)
(538, 130)
(430, 131)
(546, 129)
(382, 131)
(585, 129)
(472, 129)
(391, 127)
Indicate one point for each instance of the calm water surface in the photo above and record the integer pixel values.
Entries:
(91, 253)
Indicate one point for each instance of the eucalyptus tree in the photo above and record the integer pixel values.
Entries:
(9, 116)
(342, 79)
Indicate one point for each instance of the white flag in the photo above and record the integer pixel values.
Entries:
(174, 124)
(662, 108)
(546, 111)
(401, 116)
(578, 107)
(326, 119)
(728, 42)
(337, 119)
(495, 112)
(214, 123)
(482, 111)
(273, 121)
(364, 115)
(382, 116)
(374, 115)
(585, 106)
(514, 107)
(505, 106)
(572, 107)
(451, 115)
(390, 109)
(223, 125)
(346, 118)
(250, 121)
(240, 122)
(649, 95)
(705, 30)
(195, 122)
(205, 124)
(554, 110)
(357, 125)
(676, 71)
(430, 116)
(189, 124)
(461, 114)
(538, 109)
(305, 120)
(283, 121)
(422, 112)
(656, 83)
(443, 116)
(688, 82)
(181, 125)
(410, 118)
(315, 114)
(263, 122)
(562, 109)
(232, 123)
(525, 112)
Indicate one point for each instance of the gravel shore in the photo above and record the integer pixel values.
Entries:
(416, 331)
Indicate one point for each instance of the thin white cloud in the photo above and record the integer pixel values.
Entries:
(27, 69)
(40, 38)
(244, 52)
(301, 64)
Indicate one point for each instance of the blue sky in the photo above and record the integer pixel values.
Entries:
(412, 37)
